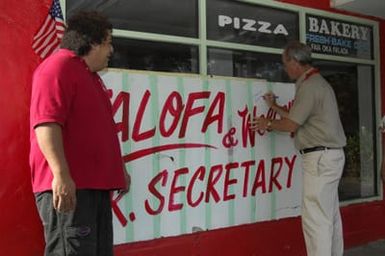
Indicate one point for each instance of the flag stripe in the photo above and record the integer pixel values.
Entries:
(49, 30)
(51, 47)
(43, 27)
(46, 42)
(47, 38)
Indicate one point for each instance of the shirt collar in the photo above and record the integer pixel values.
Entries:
(72, 54)
(308, 73)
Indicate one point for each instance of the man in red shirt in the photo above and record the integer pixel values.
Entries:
(75, 155)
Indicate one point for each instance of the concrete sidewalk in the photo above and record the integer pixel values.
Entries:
(376, 248)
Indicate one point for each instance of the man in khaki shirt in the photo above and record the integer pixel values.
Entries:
(319, 137)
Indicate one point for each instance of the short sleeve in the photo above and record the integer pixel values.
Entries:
(51, 96)
(303, 105)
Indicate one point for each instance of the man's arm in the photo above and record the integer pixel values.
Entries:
(283, 125)
(270, 101)
(127, 179)
(50, 140)
(280, 110)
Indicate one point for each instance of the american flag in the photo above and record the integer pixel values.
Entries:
(48, 37)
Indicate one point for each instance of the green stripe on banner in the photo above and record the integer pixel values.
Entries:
(250, 105)
(273, 205)
(182, 162)
(153, 79)
(207, 160)
(127, 146)
(231, 210)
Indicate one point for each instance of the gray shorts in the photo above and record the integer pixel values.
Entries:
(87, 231)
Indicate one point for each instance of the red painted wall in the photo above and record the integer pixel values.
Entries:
(20, 229)
(316, 4)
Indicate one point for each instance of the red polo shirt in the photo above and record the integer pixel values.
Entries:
(66, 92)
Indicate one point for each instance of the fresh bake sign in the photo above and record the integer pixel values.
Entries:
(329, 36)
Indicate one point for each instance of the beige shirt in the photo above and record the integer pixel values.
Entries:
(315, 110)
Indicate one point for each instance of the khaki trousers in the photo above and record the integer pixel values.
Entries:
(321, 219)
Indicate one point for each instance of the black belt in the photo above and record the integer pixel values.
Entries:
(318, 148)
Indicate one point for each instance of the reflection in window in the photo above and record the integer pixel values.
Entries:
(160, 16)
(155, 56)
(353, 85)
(224, 62)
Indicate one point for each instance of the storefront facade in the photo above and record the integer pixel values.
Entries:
(177, 60)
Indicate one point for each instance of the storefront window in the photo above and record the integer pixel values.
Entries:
(354, 88)
(243, 23)
(171, 17)
(232, 21)
(155, 56)
(225, 62)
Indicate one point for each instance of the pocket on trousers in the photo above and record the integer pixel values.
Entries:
(310, 162)
(79, 241)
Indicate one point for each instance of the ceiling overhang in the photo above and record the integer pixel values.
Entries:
(374, 8)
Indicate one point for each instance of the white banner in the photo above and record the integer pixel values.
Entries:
(193, 161)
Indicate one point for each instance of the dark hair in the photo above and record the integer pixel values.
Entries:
(83, 30)
(299, 52)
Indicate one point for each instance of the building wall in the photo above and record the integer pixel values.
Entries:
(317, 4)
(20, 228)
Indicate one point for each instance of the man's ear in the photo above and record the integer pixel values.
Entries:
(296, 64)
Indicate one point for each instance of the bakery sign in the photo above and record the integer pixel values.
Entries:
(336, 37)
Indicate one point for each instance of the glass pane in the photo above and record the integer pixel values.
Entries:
(337, 37)
(354, 88)
(233, 21)
(353, 85)
(224, 62)
(156, 16)
(156, 56)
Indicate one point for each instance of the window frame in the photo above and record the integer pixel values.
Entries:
(203, 43)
